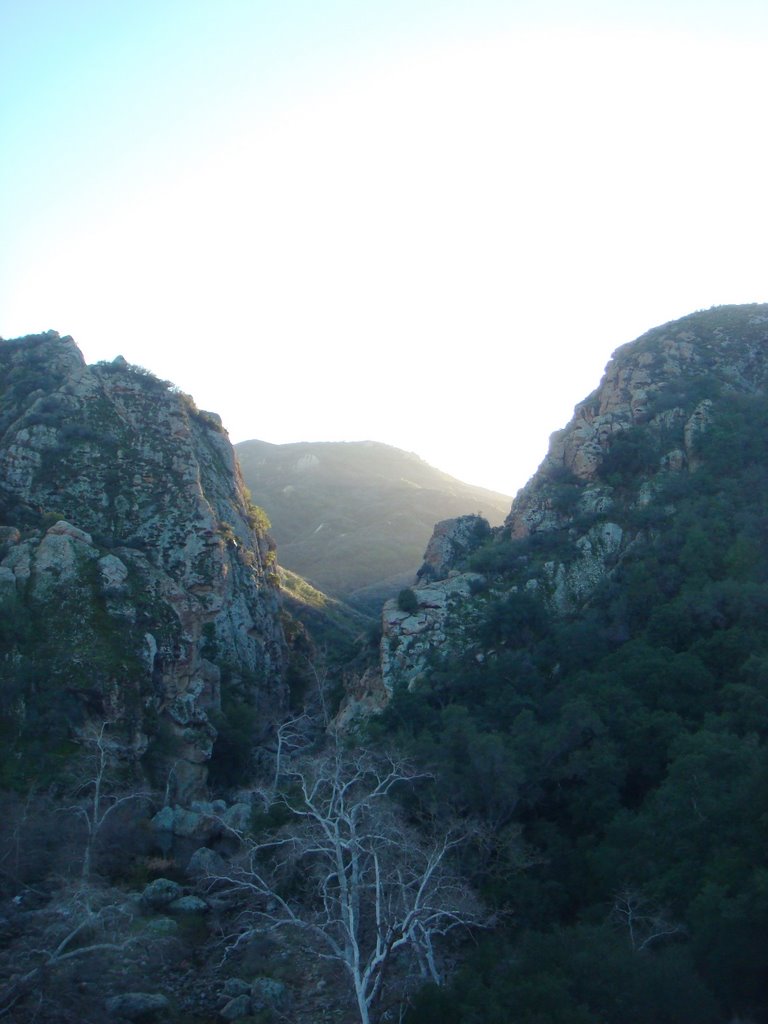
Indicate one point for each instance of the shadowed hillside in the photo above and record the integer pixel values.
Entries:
(591, 681)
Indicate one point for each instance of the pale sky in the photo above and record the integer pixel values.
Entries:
(424, 223)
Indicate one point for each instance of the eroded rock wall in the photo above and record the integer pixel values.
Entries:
(132, 544)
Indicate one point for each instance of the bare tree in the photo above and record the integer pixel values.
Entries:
(97, 804)
(350, 878)
(298, 731)
(646, 924)
(290, 736)
(78, 920)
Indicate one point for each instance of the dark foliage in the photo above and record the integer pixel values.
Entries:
(627, 745)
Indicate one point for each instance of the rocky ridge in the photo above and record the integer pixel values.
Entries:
(129, 541)
(596, 491)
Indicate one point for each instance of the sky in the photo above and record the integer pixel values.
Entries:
(427, 223)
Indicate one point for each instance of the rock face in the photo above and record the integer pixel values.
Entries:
(451, 542)
(583, 509)
(660, 389)
(438, 623)
(130, 549)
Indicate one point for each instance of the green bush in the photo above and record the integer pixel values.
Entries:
(258, 519)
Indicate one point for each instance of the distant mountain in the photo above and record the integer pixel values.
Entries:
(354, 518)
(585, 686)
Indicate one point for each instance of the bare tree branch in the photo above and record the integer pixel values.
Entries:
(349, 877)
(646, 924)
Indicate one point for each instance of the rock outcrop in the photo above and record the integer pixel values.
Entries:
(664, 383)
(597, 490)
(130, 556)
(439, 623)
(452, 541)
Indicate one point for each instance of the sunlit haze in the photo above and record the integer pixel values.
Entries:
(423, 223)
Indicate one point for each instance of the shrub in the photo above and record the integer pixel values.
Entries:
(407, 601)
(258, 519)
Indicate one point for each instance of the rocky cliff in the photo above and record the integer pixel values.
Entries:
(658, 390)
(604, 485)
(136, 577)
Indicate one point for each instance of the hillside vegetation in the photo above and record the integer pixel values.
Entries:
(354, 518)
(610, 726)
(537, 795)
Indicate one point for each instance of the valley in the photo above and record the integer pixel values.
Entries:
(315, 732)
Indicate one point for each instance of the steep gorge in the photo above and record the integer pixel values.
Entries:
(582, 691)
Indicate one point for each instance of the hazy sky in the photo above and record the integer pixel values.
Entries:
(424, 223)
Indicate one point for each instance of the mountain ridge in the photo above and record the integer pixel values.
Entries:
(581, 693)
(590, 680)
(354, 517)
(639, 429)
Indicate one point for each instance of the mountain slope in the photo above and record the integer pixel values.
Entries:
(603, 486)
(592, 686)
(354, 517)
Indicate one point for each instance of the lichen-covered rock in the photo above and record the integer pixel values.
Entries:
(365, 694)
(114, 574)
(655, 383)
(451, 542)
(161, 893)
(205, 862)
(597, 552)
(59, 558)
(188, 905)
(439, 624)
(133, 544)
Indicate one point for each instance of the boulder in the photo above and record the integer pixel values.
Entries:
(233, 987)
(190, 823)
(268, 994)
(185, 823)
(114, 573)
(137, 1006)
(7, 583)
(451, 542)
(238, 1007)
(188, 905)
(64, 529)
(161, 893)
(238, 817)
(205, 862)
